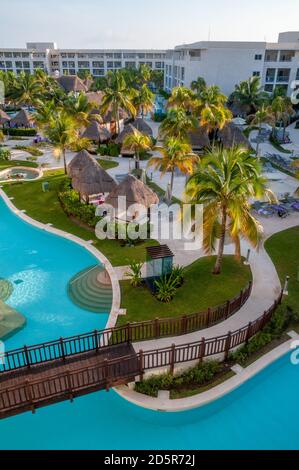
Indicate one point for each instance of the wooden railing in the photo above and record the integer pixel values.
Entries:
(69, 384)
(66, 347)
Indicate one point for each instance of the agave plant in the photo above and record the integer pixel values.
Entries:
(135, 274)
(177, 274)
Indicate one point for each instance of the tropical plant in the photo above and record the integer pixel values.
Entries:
(250, 94)
(63, 134)
(144, 100)
(45, 113)
(78, 107)
(282, 109)
(2, 137)
(175, 154)
(178, 274)
(166, 288)
(116, 96)
(198, 85)
(181, 98)
(138, 143)
(25, 89)
(5, 154)
(223, 183)
(135, 274)
(214, 118)
(262, 116)
(178, 124)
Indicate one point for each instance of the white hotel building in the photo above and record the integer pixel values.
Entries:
(227, 63)
(221, 63)
(69, 61)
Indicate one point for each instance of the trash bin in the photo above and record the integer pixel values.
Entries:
(45, 186)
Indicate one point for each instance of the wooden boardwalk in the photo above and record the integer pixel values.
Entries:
(65, 379)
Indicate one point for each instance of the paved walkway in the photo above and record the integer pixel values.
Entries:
(266, 289)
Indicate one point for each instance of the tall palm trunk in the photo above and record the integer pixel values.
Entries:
(64, 161)
(171, 183)
(217, 268)
(137, 161)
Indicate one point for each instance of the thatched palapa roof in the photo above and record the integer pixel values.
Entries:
(23, 118)
(199, 138)
(95, 98)
(4, 117)
(71, 83)
(136, 192)
(231, 135)
(127, 130)
(109, 117)
(96, 132)
(88, 177)
(143, 127)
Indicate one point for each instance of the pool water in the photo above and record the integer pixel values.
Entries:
(19, 173)
(40, 265)
(262, 414)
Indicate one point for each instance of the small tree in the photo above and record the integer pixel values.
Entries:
(138, 143)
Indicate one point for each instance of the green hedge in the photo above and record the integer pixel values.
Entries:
(20, 132)
(72, 205)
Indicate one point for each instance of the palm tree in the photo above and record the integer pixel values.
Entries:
(138, 142)
(175, 154)
(198, 85)
(250, 94)
(79, 108)
(282, 108)
(262, 116)
(214, 118)
(62, 133)
(144, 100)
(25, 90)
(223, 182)
(1, 136)
(181, 98)
(178, 124)
(116, 96)
(45, 113)
(144, 74)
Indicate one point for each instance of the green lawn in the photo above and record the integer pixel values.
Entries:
(11, 163)
(107, 164)
(200, 290)
(283, 248)
(46, 208)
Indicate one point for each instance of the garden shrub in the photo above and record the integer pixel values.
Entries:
(21, 131)
(159, 117)
(198, 375)
(72, 205)
(5, 154)
(35, 152)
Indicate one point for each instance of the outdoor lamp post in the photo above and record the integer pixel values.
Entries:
(246, 262)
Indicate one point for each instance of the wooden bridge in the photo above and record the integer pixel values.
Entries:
(35, 376)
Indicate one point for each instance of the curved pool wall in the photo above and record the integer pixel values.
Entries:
(31, 174)
(262, 414)
(40, 265)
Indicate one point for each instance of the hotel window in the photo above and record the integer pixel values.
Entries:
(183, 73)
(108, 55)
(158, 65)
(8, 64)
(256, 74)
(17, 54)
(98, 64)
(71, 56)
(141, 56)
(269, 88)
(98, 72)
(258, 57)
(26, 65)
(83, 56)
(19, 65)
(117, 65)
(38, 65)
(83, 65)
(25, 54)
(2, 64)
(117, 55)
(297, 76)
(7, 54)
(72, 71)
(110, 65)
(129, 55)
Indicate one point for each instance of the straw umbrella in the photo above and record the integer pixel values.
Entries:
(4, 118)
(96, 133)
(231, 135)
(88, 177)
(22, 119)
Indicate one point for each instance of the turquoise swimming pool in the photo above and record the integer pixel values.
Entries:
(262, 414)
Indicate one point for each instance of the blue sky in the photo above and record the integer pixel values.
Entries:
(143, 23)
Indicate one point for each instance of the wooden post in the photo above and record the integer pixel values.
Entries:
(172, 359)
(280, 297)
(227, 308)
(227, 345)
(69, 384)
(209, 317)
(29, 395)
(183, 325)
(129, 334)
(157, 328)
(106, 374)
(62, 348)
(141, 365)
(96, 343)
(248, 335)
(202, 349)
(27, 357)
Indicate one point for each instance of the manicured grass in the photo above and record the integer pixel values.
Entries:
(45, 207)
(11, 163)
(283, 248)
(277, 146)
(201, 289)
(107, 164)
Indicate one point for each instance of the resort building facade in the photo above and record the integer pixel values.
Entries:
(227, 63)
(98, 62)
(220, 63)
